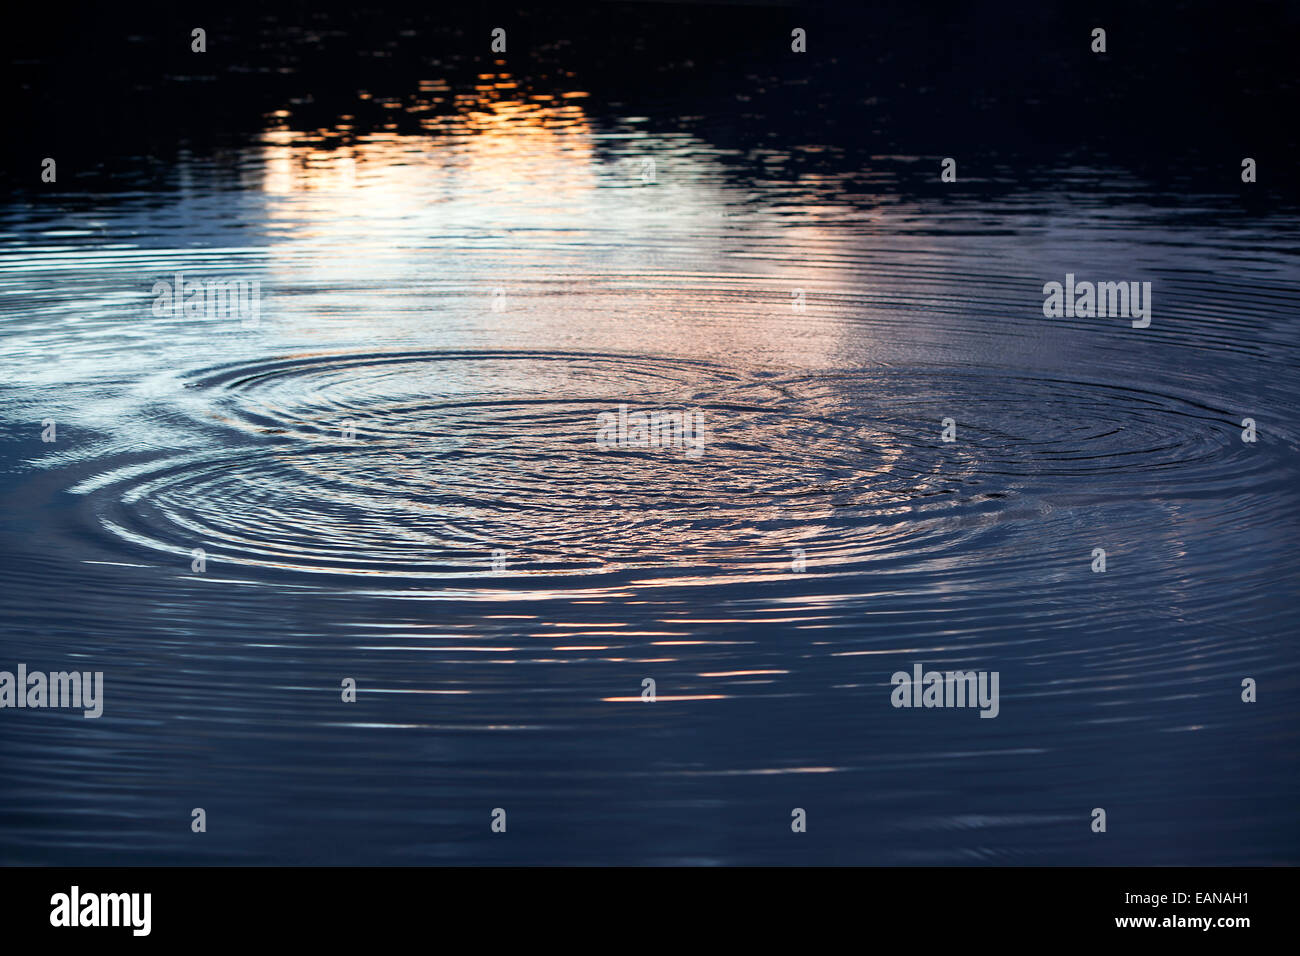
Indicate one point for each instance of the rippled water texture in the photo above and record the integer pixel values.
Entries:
(442, 319)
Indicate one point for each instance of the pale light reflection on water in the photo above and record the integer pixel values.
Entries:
(471, 300)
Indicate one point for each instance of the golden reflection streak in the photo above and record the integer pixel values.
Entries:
(488, 142)
(662, 697)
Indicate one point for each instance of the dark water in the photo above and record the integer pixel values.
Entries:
(470, 297)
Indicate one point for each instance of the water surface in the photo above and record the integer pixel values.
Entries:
(445, 312)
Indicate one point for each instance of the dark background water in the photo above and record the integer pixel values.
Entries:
(382, 175)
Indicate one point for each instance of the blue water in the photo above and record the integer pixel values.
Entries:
(469, 302)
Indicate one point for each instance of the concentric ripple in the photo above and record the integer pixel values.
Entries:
(423, 464)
